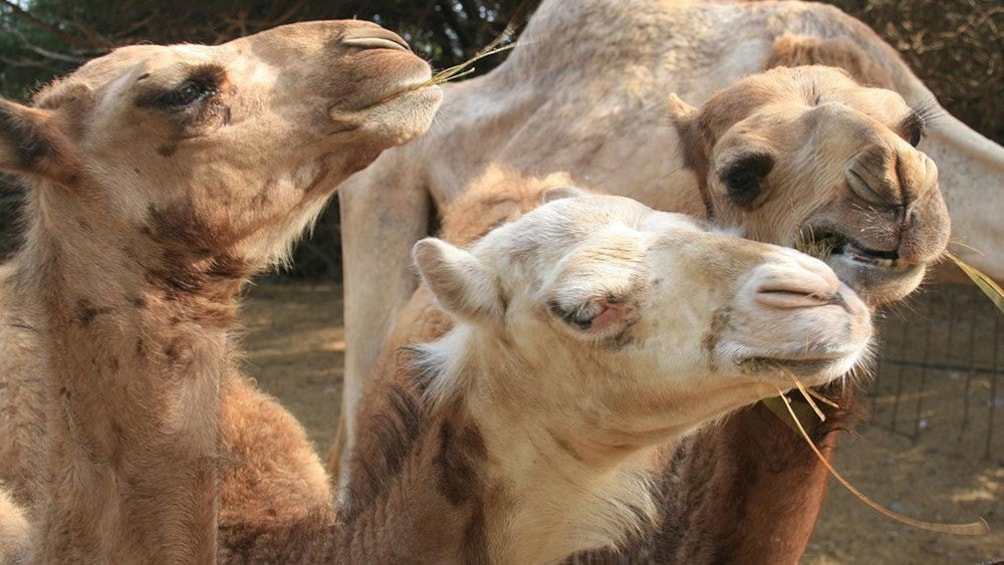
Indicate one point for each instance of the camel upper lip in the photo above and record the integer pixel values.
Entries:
(378, 39)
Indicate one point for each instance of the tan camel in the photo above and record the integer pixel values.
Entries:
(518, 423)
(161, 178)
(596, 107)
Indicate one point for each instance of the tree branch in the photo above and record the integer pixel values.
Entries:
(93, 37)
(24, 63)
(41, 50)
(24, 16)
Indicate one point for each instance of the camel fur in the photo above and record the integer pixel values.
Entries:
(159, 180)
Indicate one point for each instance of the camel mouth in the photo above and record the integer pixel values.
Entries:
(825, 243)
(812, 371)
(878, 275)
(802, 367)
(418, 85)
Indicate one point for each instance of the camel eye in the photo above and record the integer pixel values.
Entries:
(580, 316)
(743, 179)
(186, 94)
(202, 83)
(916, 134)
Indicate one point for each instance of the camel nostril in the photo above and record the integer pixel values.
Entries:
(793, 280)
(793, 298)
(860, 186)
(374, 42)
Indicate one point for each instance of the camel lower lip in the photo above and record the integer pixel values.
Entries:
(418, 87)
(798, 367)
(868, 268)
(864, 257)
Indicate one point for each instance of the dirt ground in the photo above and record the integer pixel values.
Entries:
(295, 349)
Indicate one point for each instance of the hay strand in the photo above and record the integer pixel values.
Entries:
(985, 283)
(461, 69)
(973, 529)
(807, 396)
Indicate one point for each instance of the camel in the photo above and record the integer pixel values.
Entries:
(160, 179)
(596, 108)
(514, 414)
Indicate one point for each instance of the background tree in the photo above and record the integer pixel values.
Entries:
(955, 46)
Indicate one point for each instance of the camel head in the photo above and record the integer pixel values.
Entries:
(233, 147)
(806, 157)
(643, 321)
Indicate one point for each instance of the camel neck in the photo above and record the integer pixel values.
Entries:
(484, 468)
(138, 341)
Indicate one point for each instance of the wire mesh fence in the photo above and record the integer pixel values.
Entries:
(940, 366)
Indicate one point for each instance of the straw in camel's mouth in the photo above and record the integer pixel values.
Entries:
(805, 367)
(826, 245)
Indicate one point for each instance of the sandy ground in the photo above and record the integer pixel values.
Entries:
(295, 349)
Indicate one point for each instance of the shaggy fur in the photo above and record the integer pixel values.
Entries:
(162, 178)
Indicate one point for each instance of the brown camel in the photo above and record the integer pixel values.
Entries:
(520, 420)
(596, 108)
(161, 179)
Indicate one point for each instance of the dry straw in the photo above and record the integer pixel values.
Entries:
(973, 529)
(463, 69)
(984, 282)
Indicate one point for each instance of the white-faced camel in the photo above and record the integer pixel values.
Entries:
(520, 409)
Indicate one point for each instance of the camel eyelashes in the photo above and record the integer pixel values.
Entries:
(185, 94)
(914, 126)
(744, 177)
(589, 315)
(203, 83)
(580, 316)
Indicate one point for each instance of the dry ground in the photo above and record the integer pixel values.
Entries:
(295, 349)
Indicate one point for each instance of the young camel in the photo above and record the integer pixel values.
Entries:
(161, 179)
(570, 344)
(597, 108)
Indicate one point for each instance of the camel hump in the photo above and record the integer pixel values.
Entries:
(792, 50)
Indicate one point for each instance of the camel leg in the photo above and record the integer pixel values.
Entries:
(379, 228)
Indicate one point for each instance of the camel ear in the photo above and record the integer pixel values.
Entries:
(685, 118)
(458, 279)
(560, 192)
(31, 144)
(795, 50)
(693, 143)
(680, 111)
